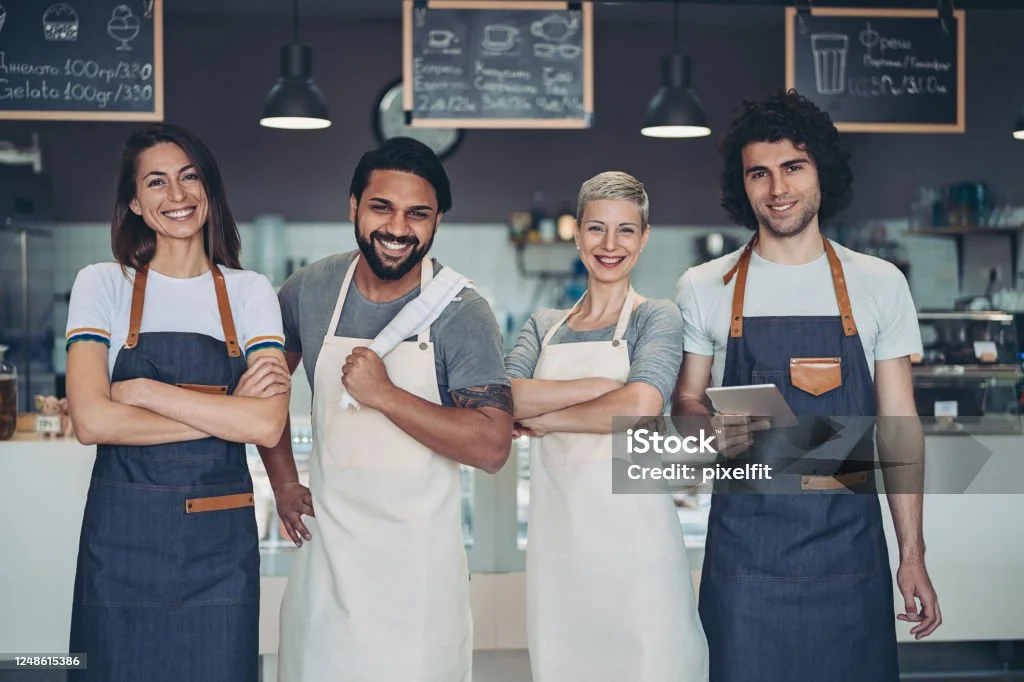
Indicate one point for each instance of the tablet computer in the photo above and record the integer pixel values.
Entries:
(759, 400)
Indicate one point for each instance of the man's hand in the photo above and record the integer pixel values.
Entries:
(266, 377)
(734, 433)
(365, 378)
(914, 583)
(294, 500)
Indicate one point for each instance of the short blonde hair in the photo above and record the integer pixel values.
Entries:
(614, 185)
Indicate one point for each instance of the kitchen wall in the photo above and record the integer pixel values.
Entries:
(218, 72)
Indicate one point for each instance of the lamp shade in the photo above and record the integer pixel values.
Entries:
(675, 110)
(295, 102)
(1018, 128)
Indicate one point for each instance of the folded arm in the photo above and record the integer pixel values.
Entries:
(234, 418)
(629, 405)
(99, 419)
(476, 432)
(533, 397)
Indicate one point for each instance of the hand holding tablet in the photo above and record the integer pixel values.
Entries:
(742, 410)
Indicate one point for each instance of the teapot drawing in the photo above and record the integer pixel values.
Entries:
(555, 27)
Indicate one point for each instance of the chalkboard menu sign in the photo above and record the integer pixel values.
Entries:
(81, 60)
(488, 64)
(876, 70)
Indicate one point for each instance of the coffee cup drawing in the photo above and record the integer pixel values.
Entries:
(499, 37)
(440, 39)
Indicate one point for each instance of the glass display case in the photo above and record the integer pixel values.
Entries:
(969, 377)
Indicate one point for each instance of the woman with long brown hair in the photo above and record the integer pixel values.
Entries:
(175, 361)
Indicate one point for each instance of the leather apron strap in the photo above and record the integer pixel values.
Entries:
(740, 272)
(223, 307)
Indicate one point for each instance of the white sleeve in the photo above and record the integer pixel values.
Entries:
(91, 309)
(899, 332)
(260, 327)
(696, 338)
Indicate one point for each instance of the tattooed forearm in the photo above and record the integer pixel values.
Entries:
(492, 395)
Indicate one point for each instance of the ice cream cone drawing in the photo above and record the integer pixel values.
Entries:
(60, 23)
(123, 27)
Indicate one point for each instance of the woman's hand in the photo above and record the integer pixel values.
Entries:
(266, 377)
(294, 500)
(534, 427)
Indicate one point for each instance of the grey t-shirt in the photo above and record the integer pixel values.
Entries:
(466, 337)
(654, 337)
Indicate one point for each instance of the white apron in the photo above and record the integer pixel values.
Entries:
(381, 592)
(608, 588)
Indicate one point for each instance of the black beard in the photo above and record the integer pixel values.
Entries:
(383, 270)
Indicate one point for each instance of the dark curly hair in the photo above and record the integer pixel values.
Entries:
(780, 116)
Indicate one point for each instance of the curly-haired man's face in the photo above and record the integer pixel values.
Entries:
(782, 185)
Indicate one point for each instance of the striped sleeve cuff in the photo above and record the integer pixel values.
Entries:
(87, 334)
(264, 342)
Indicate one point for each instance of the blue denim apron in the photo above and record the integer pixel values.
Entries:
(167, 585)
(796, 585)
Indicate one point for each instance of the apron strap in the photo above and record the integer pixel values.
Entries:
(426, 275)
(842, 295)
(332, 328)
(135, 320)
(740, 270)
(620, 326)
(624, 315)
(838, 284)
(227, 321)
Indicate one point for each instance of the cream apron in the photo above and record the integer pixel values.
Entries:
(381, 592)
(609, 594)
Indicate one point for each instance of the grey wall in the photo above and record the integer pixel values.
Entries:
(218, 71)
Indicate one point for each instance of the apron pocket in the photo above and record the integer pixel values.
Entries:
(816, 375)
(375, 444)
(218, 551)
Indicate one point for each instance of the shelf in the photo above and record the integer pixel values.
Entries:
(967, 230)
(959, 233)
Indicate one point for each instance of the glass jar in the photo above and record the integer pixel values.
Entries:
(8, 397)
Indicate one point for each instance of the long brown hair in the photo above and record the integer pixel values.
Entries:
(132, 241)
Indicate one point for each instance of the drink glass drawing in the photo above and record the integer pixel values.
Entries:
(830, 51)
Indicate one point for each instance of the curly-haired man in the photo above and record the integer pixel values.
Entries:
(796, 582)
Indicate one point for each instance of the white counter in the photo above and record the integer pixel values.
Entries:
(975, 549)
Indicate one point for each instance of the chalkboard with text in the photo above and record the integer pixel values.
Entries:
(877, 70)
(517, 64)
(82, 60)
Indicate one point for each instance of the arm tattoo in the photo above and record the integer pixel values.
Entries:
(491, 395)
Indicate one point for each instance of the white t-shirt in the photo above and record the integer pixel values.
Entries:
(101, 301)
(883, 309)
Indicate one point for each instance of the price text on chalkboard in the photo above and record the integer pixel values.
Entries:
(498, 64)
(99, 60)
(876, 70)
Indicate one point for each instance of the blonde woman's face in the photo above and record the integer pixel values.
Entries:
(611, 235)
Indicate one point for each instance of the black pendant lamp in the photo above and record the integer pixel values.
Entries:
(1018, 128)
(676, 110)
(295, 103)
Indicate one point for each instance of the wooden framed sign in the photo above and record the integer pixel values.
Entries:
(81, 60)
(484, 64)
(880, 70)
